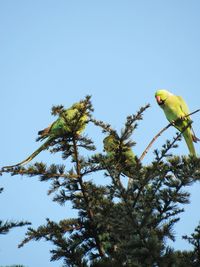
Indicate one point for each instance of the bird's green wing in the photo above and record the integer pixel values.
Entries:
(183, 105)
(111, 144)
(116, 149)
(183, 110)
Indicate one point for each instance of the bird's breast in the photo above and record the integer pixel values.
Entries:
(170, 112)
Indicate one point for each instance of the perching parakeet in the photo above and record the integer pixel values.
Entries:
(71, 121)
(175, 108)
(121, 152)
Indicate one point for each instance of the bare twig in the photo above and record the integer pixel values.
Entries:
(163, 130)
(152, 141)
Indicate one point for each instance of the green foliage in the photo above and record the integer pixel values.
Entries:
(5, 227)
(116, 225)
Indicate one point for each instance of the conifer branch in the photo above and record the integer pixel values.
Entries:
(116, 226)
(83, 190)
(164, 152)
(169, 146)
(6, 226)
(163, 130)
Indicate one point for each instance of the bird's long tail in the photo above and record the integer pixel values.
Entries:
(189, 139)
(33, 155)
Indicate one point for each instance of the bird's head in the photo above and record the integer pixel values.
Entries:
(161, 96)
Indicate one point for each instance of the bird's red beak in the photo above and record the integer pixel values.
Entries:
(158, 99)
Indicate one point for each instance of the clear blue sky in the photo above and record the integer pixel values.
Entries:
(120, 52)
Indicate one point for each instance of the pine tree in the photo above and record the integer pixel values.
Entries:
(116, 225)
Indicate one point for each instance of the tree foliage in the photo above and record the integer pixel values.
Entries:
(116, 225)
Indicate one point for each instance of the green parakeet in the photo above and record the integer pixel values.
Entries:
(71, 121)
(121, 152)
(175, 108)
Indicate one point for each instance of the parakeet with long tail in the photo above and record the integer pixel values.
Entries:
(175, 108)
(70, 122)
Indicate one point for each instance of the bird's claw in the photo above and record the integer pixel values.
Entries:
(173, 122)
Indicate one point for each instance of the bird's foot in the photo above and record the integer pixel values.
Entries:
(173, 123)
(182, 118)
